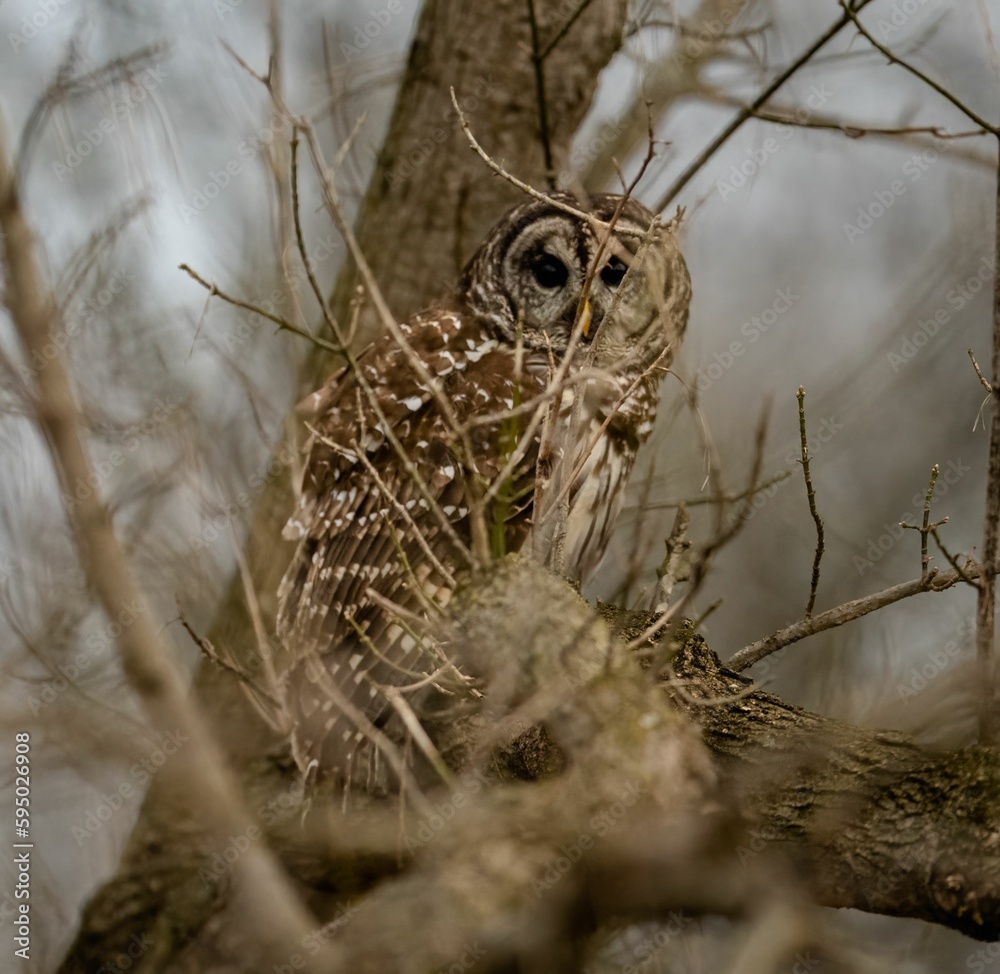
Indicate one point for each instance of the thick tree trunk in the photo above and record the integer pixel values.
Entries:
(637, 782)
(431, 202)
(432, 199)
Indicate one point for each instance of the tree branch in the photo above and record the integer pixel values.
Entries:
(198, 768)
(848, 612)
(628, 816)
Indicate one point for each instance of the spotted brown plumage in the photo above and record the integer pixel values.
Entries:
(373, 557)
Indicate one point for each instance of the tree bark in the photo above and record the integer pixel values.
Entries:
(432, 200)
(875, 821)
(855, 818)
(682, 789)
(424, 213)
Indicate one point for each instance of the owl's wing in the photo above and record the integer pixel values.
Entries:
(367, 538)
(603, 422)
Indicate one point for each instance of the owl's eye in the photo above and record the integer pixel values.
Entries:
(614, 271)
(549, 271)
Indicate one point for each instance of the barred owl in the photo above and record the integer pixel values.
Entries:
(383, 521)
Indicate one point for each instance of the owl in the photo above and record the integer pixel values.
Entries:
(507, 417)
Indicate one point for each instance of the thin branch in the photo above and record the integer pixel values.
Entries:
(727, 497)
(848, 612)
(246, 681)
(982, 378)
(725, 535)
(300, 242)
(401, 706)
(926, 527)
(513, 180)
(852, 14)
(282, 323)
(989, 392)
(785, 115)
(953, 561)
(748, 112)
(989, 720)
(811, 495)
(208, 783)
(722, 537)
(538, 62)
(551, 44)
(667, 575)
(855, 131)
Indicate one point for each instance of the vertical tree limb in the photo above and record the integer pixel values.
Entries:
(198, 768)
(986, 601)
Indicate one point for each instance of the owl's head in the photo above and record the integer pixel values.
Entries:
(645, 312)
(529, 273)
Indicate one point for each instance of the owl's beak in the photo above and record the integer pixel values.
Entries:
(586, 321)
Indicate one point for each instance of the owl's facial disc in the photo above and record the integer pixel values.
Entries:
(527, 278)
(542, 276)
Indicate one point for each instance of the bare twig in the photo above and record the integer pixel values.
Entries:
(667, 575)
(512, 179)
(550, 45)
(726, 534)
(257, 694)
(538, 62)
(410, 720)
(695, 167)
(989, 722)
(201, 771)
(926, 527)
(722, 537)
(989, 392)
(979, 372)
(303, 253)
(852, 14)
(283, 323)
(848, 612)
(811, 495)
(953, 561)
(727, 497)
(785, 115)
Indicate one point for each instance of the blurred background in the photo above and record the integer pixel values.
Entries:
(857, 263)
